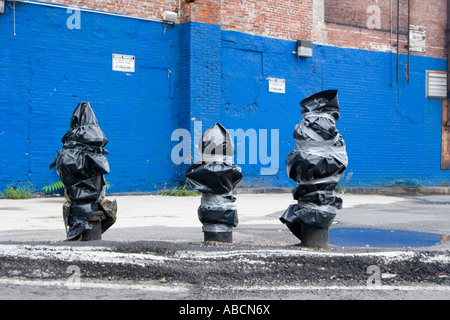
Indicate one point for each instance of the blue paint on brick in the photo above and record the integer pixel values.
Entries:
(200, 81)
(47, 69)
(393, 132)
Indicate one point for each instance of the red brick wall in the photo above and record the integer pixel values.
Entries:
(287, 19)
(346, 24)
(207, 11)
(336, 22)
(139, 8)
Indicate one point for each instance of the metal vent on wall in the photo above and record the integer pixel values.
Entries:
(436, 84)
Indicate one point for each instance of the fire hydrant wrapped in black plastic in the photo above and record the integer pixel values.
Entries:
(317, 164)
(81, 166)
(215, 176)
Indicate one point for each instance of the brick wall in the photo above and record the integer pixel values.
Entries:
(46, 69)
(350, 24)
(139, 8)
(342, 23)
(207, 11)
(200, 77)
(392, 131)
(287, 19)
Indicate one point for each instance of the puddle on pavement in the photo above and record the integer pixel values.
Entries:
(359, 237)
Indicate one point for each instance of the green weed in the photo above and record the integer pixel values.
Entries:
(19, 192)
(343, 182)
(57, 186)
(181, 191)
(53, 187)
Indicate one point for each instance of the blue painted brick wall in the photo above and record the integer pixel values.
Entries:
(46, 69)
(200, 84)
(393, 132)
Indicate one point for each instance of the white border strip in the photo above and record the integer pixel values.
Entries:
(341, 288)
(83, 284)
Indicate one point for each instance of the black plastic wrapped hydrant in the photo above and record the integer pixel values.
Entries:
(215, 176)
(317, 164)
(81, 166)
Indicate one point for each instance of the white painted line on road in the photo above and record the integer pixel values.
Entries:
(106, 255)
(75, 254)
(175, 287)
(387, 256)
(83, 284)
(338, 288)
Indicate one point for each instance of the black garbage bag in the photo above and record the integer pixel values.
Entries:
(216, 145)
(317, 163)
(81, 166)
(215, 176)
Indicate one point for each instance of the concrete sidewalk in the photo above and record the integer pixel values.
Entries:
(164, 218)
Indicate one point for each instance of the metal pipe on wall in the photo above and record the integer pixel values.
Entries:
(398, 37)
(447, 39)
(408, 29)
(390, 18)
(409, 41)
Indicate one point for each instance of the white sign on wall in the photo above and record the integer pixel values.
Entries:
(418, 38)
(124, 63)
(277, 85)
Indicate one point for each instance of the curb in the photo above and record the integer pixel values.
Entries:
(388, 191)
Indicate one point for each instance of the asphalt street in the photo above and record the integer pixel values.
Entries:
(155, 251)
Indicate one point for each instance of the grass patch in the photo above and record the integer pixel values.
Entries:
(343, 182)
(17, 193)
(181, 191)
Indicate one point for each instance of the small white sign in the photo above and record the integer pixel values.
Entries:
(418, 38)
(277, 85)
(124, 63)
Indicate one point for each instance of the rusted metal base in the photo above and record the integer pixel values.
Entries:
(314, 237)
(225, 237)
(96, 232)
